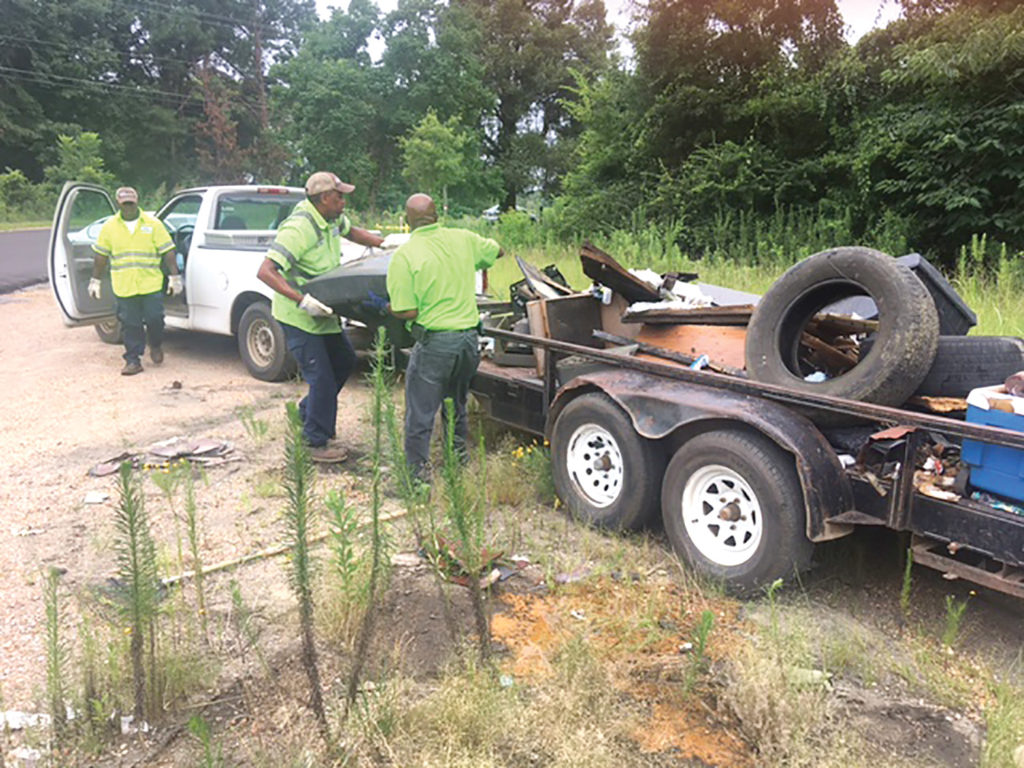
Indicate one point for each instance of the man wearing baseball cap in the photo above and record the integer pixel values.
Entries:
(308, 243)
(133, 243)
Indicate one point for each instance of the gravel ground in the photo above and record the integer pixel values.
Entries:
(66, 408)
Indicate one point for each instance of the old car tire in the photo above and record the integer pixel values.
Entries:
(904, 344)
(733, 509)
(963, 363)
(110, 331)
(605, 473)
(262, 345)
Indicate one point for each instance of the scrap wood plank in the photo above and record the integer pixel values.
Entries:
(602, 268)
(539, 283)
(825, 324)
(665, 354)
(723, 344)
(831, 356)
(735, 315)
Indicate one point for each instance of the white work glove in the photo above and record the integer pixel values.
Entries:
(314, 307)
(174, 285)
(392, 241)
(94, 288)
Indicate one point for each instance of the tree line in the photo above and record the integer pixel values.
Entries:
(728, 113)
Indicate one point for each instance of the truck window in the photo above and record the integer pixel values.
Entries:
(253, 210)
(181, 212)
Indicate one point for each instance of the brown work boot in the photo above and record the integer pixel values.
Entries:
(156, 354)
(130, 369)
(328, 454)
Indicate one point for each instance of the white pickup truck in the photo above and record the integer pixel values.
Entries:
(221, 234)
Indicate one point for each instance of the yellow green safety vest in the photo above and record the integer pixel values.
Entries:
(134, 256)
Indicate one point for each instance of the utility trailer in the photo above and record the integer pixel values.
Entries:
(745, 480)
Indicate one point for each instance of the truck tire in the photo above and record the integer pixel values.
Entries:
(262, 346)
(904, 346)
(963, 363)
(732, 508)
(605, 473)
(110, 331)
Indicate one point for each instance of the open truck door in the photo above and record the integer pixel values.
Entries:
(81, 211)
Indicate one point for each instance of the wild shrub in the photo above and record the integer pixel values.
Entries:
(298, 483)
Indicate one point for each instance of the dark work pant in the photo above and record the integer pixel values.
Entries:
(326, 361)
(136, 311)
(441, 366)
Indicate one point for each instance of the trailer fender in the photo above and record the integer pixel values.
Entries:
(659, 408)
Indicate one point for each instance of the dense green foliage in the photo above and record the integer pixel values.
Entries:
(736, 128)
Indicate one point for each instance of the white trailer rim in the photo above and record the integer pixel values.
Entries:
(593, 461)
(721, 515)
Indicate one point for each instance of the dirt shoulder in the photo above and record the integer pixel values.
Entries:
(66, 408)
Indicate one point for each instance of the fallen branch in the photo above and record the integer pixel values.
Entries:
(279, 549)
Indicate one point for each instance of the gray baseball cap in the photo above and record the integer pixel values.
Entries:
(322, 181)
(126, 195)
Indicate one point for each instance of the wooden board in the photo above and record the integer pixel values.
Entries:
(567, 318)
(611, 318)
(721, 343)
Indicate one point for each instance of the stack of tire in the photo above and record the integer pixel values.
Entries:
(918, 349)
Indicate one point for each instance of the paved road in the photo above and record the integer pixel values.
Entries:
(23, 258)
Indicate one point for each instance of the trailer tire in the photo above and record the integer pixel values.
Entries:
(262, 346)
(110, 331)
(732, 508)
(605, 473)
(904, 346)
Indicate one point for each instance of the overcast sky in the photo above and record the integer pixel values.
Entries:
(860, 15)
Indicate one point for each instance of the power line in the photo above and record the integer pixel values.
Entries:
(74, 49)
(166, 98)
(47, 78)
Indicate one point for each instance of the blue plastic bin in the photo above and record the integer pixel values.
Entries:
(994, 468)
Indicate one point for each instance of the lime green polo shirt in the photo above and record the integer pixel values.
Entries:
(435, 274)
(134, 257)
(306, 245)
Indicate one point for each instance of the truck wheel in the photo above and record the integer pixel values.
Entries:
(110, 331)
(606, 474)
(733, 509)
(904, 346)
(262, 346)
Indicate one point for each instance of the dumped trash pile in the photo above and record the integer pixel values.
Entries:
(852, 323)
(204, 451)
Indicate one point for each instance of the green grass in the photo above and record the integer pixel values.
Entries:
(990, 286)
(9, 226)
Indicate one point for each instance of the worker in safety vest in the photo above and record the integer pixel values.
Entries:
(308, 243)
(133, 243)
(432, 285)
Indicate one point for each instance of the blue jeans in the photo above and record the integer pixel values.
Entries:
(326, 361)
(440, 367)
(136, 311)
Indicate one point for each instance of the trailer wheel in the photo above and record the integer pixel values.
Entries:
(904, 345)
(604, 472)
(110, 331)
(733, 509)
(262, 346)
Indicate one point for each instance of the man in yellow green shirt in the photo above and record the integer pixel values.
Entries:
(133, 243)
(308, 243)
(432, 285)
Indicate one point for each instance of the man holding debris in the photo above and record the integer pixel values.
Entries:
(133, 243)
(308, 243)
(432, 286)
